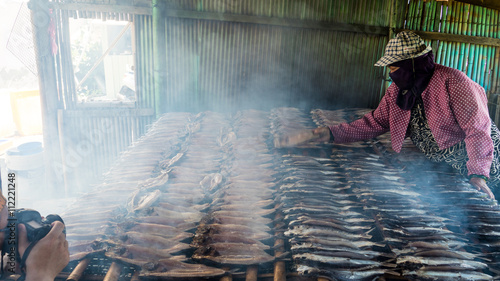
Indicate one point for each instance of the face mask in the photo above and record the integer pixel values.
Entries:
(404, 79)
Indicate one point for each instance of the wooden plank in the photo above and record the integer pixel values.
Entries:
(109, 112)
(479, 40)
(103, 8)
(308, 24)
(493, 4)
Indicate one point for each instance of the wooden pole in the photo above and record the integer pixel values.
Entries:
(391, 34)
(60, 125)
(113, 272)
(160, 56)
(135, 276)
(77, 273)
(279, 271)
(495, 86)
(279, 249)
(252, 272)
(41, 18)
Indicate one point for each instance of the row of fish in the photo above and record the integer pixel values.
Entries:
(208, 194)
(329, 231)
(413, 221)
(417, 234)
(205, 196)
(237, 227)
(96, 213)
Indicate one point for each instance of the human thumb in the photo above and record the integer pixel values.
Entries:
(56, 230)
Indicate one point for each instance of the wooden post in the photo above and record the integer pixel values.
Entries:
(252, 272)
(495, 86)
(279, 266)
(160, 56)
(114, 272)
(279, 271)
(77, 273)
(49, 99)
(135, 277)
(392, 10)
(60, 128)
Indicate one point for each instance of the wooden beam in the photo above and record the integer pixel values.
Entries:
(457, 38)
(109, 112)
(137, 10)
(493, 4)
(312, 24)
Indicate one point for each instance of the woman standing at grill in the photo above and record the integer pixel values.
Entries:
(443, 111)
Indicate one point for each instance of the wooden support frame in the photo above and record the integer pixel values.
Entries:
(308, 24)
(102, 8)
(456, 38)
(109, 112)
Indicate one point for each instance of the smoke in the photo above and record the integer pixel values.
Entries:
(230, 66)
(78, 149)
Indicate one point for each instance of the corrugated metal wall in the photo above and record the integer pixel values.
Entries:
(223, 65)
(220, 65)
(144, 61)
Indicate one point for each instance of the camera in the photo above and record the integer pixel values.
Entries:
(36, 228)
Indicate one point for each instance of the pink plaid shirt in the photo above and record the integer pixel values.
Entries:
(456, 110)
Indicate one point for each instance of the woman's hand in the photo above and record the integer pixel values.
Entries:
(322, 134)
(48, 257)
(480, 184)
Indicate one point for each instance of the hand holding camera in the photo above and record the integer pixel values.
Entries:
(38, 245)
(49, 256)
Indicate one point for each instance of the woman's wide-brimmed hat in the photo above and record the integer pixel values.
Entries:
(406, 45)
